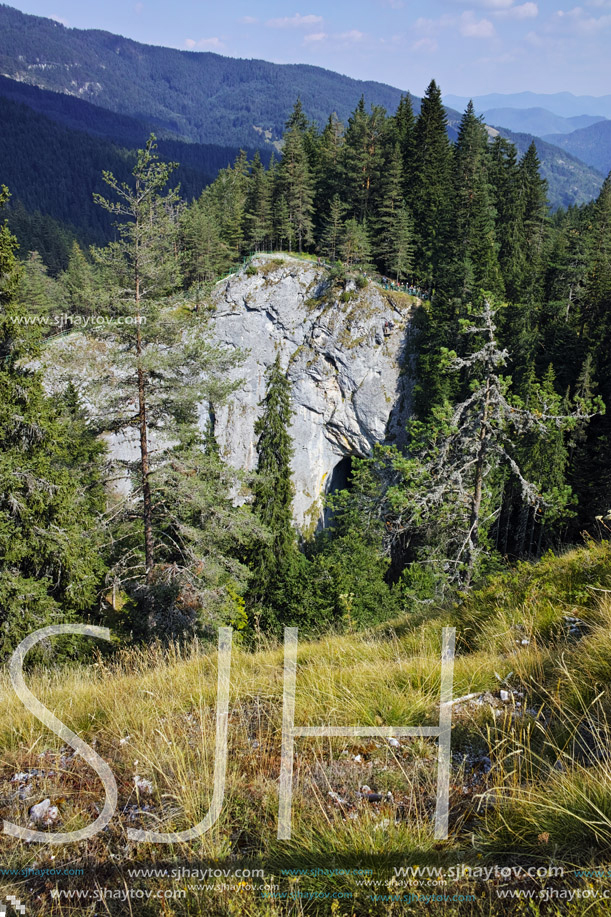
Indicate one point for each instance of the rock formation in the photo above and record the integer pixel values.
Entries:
(343, 351)
(343, 354)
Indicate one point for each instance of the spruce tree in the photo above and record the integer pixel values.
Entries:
(296, 183)
(205, 255)
(452, 483)
(51, 500)
(533, 197)
(38, 292)
(394, 230)
(508, 205)
(474, 244)
(328, 173)
(78, 283)
(258, 215)
(229, 192)
(355, 248)
(275, 562)
(595, 331)
(432, 195)
(333, 231)
(405, 136)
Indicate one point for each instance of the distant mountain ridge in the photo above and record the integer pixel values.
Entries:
(78, 88)
(564, 104)
(199, 96)
(537, 121)
(591, 144)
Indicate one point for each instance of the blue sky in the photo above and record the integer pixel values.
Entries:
(469, 46)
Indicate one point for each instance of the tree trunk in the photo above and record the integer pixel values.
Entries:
(476, 500)
(147, 508)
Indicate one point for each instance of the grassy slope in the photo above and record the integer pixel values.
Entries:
(530, 783)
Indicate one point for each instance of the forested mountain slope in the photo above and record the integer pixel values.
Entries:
(55, 170)
(201, 96)
(591, 144)
(570, 181)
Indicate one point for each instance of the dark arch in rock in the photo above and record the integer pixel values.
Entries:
(340, 479)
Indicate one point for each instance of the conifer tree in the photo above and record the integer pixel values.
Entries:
(328, 171)
(474, 244)
(533, 196)
(355, 248)
(162, 368)
(508, 205)
(258, 215)
(50, 499)
(333, 231)
(362, 158)
(275, 562)
(205, 255)
(595, 330)
(295, 181)
(283, 227)
(229, 192)
(452, 482)
(432, 186)
(38, 292)
(146, 268)
(405, 136)
(394, 230)
(78, 282)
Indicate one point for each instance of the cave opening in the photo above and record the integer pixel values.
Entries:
(340, 479)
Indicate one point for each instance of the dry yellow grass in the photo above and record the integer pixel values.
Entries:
(151, 713)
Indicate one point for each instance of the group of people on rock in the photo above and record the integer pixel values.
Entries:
(412, 288)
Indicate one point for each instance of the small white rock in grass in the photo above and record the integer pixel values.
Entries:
(357, 758)
(43, 813)
(21, 778)
(505, 696)
(125, 740)
(143, 785)
(394, 743)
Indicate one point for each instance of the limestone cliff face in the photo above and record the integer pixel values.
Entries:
(343, 357)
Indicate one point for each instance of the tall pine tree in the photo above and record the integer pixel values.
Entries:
(275, 562)
(432, 195)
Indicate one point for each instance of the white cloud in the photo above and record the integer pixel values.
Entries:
(208, 43)
(534, 39)
(247, 20)
(315, 36)
(523, 11)
(60, 20)
(488, 4)
(428, 45)
(294, 22)
(470, 27)
(352, 36)
(433, 25)
(579, 21)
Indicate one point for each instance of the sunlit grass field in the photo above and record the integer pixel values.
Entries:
(530, 778)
